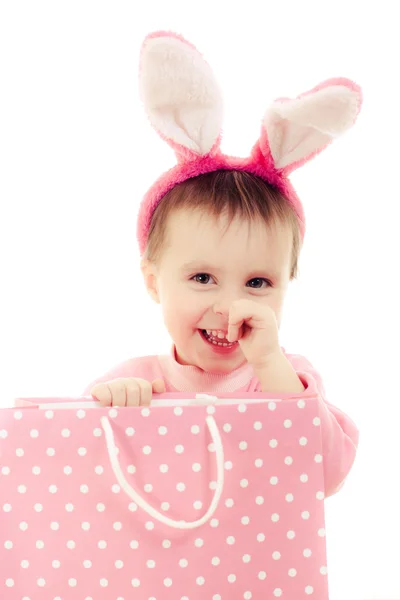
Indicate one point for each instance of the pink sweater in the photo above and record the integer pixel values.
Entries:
(339, 433)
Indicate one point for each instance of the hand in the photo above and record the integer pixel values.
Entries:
(130, 391)
(256, 328)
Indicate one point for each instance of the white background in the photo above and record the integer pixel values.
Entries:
(77, 155)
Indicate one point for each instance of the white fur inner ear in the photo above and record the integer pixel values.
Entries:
(298, 128)
(180, 94)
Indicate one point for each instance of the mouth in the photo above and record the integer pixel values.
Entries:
(216, 344)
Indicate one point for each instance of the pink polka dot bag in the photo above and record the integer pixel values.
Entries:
(194, 497)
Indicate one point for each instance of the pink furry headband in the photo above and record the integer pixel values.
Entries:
(184, 104)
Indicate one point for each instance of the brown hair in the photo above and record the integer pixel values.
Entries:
(234, 192)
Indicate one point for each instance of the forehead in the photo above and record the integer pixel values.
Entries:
(194, 238)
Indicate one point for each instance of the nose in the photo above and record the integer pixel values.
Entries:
(223, 304)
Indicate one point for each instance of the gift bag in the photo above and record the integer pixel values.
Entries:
(194, 497)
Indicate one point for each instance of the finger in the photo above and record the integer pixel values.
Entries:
(146, 392)
(158, 386)
(118, 391)
(132, 393)
(233, 333)
(102, 393)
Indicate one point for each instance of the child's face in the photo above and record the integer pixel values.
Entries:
(222, 268)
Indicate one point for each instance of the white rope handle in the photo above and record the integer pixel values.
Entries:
(219, 450)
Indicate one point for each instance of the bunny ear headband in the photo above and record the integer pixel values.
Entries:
(183, 102)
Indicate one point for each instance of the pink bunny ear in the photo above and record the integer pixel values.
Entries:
(180, 95)
(294, 131)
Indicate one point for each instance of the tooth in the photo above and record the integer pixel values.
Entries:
(214, 332)
(221, 335)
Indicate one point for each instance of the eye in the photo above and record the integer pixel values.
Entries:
(198, 276)
(260, 280)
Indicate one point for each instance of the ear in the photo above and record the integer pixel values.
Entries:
(180, 94)
(294, 131)
(149, 273)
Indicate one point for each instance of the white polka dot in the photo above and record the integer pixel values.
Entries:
(196, 467)
(34, 433)
(50, 452)
(18, 415)
(211, 447)
(147, 450)
(200, 581)
(41, 582)
(149, 525)
(260, 537)
(24, 564)
(257, 425)
(243, 446)
(103, 582)
(273, 443)
(307, 552)
(215, 561)
(82, 451)
(292, 572)
(320, 495)
(167, 582)
(228, 465)
(69, 507)
(273, 480)
(71, 544)
(181, 487)
(303, 441)
(134, 544)
(321, 532)
(113, 412)
(301, 404)
(199, 543)
(38, 507)
(304, 478)
(100, 507)
(277, 592)
(85, 526)
(166, 544)
(129, 431)
(244, 483)
(115, 488)
(84, 489)
(8, 545)
(162, 430)
(227, 427)
(247, 596)
(276, 555)
(117, 526)
(305, 515)
(262, 575)
(216, 597)
(56, 564)
(183, 563)
(231, 578)
(4, 434)
(197, 505)
(289, 498)
(99, 470)
(323, 570)
(210, 410)
(316, 421)
(229, 503)
(5, 470)
(19, 452)
(87, 564)
(68, 470)
(150, 564)
(135, 583)
(214, 523)
(258, 462)
(178, 411)
(7, 508)
(259, 500)
(275, 517)
(271, 405)
(23, 526)
(81, 414)
(52, 489)
(145, 412)
(97, 432)
(131, 469)
(291, 534)
(148, 488)
(288, 460)
(309, 590)
(245, 520)
(164, 468)
(49, 414)
(119, 564)
(213, 485)
(195, 429)
(165, 506)
(230, 540)
(246, 558)
(318, 458)
(287, 423)
(242, 408)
